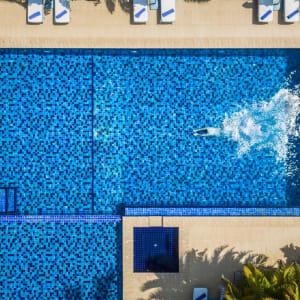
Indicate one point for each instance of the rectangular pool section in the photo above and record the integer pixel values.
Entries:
(60, 259)
(45, 130)
(85, 131)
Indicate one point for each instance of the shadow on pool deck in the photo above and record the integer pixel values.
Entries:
(21, 2)
(110, 4)
(197, 270)
(291, 253)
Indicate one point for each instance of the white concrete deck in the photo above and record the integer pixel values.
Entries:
(209, 247)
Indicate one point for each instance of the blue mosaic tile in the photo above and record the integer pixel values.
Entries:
(155, 249)
(213, 211)
(46, 131)
(93, 131)
(144, 117)
(60, 219)
(60, 261)
(3, 200)
(8, 197)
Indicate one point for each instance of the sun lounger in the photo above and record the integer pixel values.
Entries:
(35, 11)
(140, 11)
(200, 294)
(291, 11)
(62, 11)
(167, 13)
(265, 11)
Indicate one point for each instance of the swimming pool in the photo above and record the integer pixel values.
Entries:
(61, 259)
(94, 131)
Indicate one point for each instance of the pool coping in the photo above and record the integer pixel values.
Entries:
(59, 218)
(214, 211)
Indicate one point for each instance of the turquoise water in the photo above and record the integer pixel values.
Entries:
(94, 131)
(60, 260)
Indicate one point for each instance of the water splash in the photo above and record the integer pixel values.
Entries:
(266, 124)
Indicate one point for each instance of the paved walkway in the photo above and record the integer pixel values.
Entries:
(208, 248)
(199, 24)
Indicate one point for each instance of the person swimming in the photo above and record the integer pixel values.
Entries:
(207, 131)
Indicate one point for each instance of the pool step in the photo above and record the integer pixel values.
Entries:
(8, 197)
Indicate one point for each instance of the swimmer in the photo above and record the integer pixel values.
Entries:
(207, 131)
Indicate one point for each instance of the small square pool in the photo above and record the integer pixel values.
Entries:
(156, 249)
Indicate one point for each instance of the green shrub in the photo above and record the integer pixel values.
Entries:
(282, 283)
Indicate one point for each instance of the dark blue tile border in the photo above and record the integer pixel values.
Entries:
(214, 211)
(147, 51)
(60, 219)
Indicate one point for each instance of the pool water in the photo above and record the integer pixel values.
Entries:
(94, 131)
(60, 260)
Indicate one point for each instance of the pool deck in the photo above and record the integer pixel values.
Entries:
(199, 24)
(225, 243)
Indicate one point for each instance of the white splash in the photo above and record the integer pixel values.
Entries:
(265, 124)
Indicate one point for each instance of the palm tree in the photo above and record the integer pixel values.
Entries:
(265, 284)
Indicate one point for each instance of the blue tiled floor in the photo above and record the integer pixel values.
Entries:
(45, 131)
(42, 261)
(145, 152)
(141, 107)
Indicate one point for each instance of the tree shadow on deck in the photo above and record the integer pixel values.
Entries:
(111, 5)
(23, 3)
(250, 4)
(198, 269)
(291, 254)
(125, 5)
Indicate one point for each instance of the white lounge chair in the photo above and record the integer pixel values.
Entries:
(200, 294)
(35, 11)
(140, 11)
(291, 11)
(265, 11)
(62, 11)
(167, 13)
